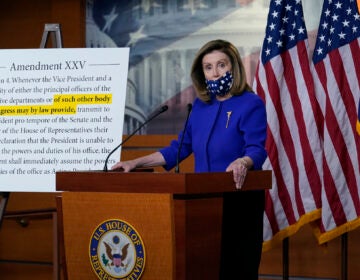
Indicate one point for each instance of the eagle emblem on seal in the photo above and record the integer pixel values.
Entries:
(116, 253)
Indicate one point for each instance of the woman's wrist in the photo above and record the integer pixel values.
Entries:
(246, 162)
(243, 162)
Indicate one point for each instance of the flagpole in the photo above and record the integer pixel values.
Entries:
(344, 256)
(285, 253)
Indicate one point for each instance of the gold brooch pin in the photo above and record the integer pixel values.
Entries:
(228, 118)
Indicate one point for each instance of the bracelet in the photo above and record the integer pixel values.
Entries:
(244, 162)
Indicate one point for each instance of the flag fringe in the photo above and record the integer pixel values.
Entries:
(358, 126)
(291, 230)
(336, 232)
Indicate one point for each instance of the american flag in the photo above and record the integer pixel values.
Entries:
(284, 80)
(336, 73)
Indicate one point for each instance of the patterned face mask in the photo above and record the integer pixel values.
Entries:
(221, 86)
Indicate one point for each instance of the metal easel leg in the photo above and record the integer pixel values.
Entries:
(3, 202)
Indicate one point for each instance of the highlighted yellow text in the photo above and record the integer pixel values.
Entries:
(63, 104)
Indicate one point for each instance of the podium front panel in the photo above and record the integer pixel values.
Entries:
(150, 214)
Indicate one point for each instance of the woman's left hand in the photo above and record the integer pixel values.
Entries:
(239, 167)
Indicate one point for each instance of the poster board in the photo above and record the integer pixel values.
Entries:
(60, 110)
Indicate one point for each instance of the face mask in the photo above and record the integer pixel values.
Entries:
(221, 86)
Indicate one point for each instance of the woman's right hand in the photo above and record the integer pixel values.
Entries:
(125, 166)
(154, 159)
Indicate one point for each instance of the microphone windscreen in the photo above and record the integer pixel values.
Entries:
(164, 108)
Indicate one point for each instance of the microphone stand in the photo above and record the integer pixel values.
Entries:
(177, 167)
(162, 110)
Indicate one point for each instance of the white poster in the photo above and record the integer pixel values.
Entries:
(60, 109)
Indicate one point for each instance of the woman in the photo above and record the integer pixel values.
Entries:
(226, 131)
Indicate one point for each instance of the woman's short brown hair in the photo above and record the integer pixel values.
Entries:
(238, 70)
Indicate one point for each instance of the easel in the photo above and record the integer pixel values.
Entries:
(55, 30)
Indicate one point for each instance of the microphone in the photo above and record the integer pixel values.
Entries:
(161, 110)
(177, 167)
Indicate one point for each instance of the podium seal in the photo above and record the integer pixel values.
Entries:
(117, 251)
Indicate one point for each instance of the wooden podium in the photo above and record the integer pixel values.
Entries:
(177, 215)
